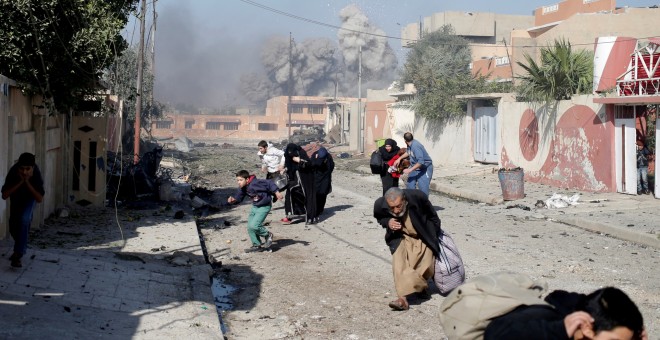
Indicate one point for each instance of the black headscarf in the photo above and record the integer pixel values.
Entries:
(294, 150)
(388, 155)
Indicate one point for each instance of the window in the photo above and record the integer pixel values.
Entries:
(550, 9)
(213, 125)
(231, 126)
(502, 61)
(267, 127)
(164, 124)
(189, 124)
(316, 109)
(296, 108)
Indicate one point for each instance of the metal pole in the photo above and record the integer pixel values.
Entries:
(359, 117)
(288, 105)
(138, 97)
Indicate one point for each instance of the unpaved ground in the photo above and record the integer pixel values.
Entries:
(333, 280)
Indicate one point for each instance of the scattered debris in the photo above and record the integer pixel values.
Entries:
(540, 204)
(520, 206)
(183, 144)
(179, 215)
(558, 201)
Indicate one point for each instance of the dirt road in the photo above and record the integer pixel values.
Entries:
(333, 280)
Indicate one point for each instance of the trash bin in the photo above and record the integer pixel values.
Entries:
(512, 183)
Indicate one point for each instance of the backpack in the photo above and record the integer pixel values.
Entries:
(449, 269)
(376, 162)
(467, 310)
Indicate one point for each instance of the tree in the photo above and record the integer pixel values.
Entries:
(439, 66)
(561, 73)
(58, 48)
(121, 76)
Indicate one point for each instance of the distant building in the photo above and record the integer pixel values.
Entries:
(499, 41)
(273, 125)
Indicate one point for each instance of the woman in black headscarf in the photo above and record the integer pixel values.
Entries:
(300, 197)
(388, 151)
(323, 165)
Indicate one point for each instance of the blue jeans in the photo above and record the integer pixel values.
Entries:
(642, 178)
(19, 228)
(421, 179)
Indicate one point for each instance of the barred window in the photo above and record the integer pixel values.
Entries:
(315, 109)
(213, 125)
(231, 126)
(189, 124)
(296, 108)
(267, 127)
(164, 124)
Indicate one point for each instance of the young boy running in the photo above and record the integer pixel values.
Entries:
(261, 191)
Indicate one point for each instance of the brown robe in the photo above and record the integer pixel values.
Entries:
(412, 262)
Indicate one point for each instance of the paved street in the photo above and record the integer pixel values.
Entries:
(332, 280)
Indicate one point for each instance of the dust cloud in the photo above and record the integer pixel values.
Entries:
(231, 72)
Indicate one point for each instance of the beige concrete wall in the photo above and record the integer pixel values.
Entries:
(27, 126)
(450, 144)
(565, 9)
(583, 29)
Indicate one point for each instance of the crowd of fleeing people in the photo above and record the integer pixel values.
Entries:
(305, 176)
(412, 233)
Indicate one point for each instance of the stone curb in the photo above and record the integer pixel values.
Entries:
(645, 239)
(622, 234)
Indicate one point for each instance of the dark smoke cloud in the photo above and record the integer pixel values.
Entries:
(320, 63)
(204, 68)
(197, 66)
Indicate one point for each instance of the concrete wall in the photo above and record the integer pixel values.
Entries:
(450, 144)
(568, 8)
(583, 29)
(377, 124)
(569, 146)
(26, 126)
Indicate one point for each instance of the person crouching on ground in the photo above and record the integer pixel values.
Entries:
(605, 314)
(24, 186)
(260, 190)
(413, 227)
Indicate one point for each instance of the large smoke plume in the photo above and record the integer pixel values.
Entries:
(322, 66)
(200, 73)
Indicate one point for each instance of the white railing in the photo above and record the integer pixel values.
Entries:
(638, 87)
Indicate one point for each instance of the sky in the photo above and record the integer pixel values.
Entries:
(204, 47)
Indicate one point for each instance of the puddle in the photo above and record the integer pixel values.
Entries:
(221, 293)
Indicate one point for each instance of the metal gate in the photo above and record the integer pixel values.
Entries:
(485, 135)
(625, 149)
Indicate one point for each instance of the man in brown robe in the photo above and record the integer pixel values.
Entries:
(413, 227)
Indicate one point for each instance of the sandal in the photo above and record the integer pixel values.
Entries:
(399, 304)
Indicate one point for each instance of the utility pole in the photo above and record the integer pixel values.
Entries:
(360, 125)
(138, 97)
(288, 105)
(153, 49)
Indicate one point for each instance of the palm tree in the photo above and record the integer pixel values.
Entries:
(561, 73)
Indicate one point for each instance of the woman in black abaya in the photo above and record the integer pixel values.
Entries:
(388, 151)
(300, 197)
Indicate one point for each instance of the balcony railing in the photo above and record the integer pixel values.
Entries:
(638, 87)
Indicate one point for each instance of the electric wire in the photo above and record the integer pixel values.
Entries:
(297, 17)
